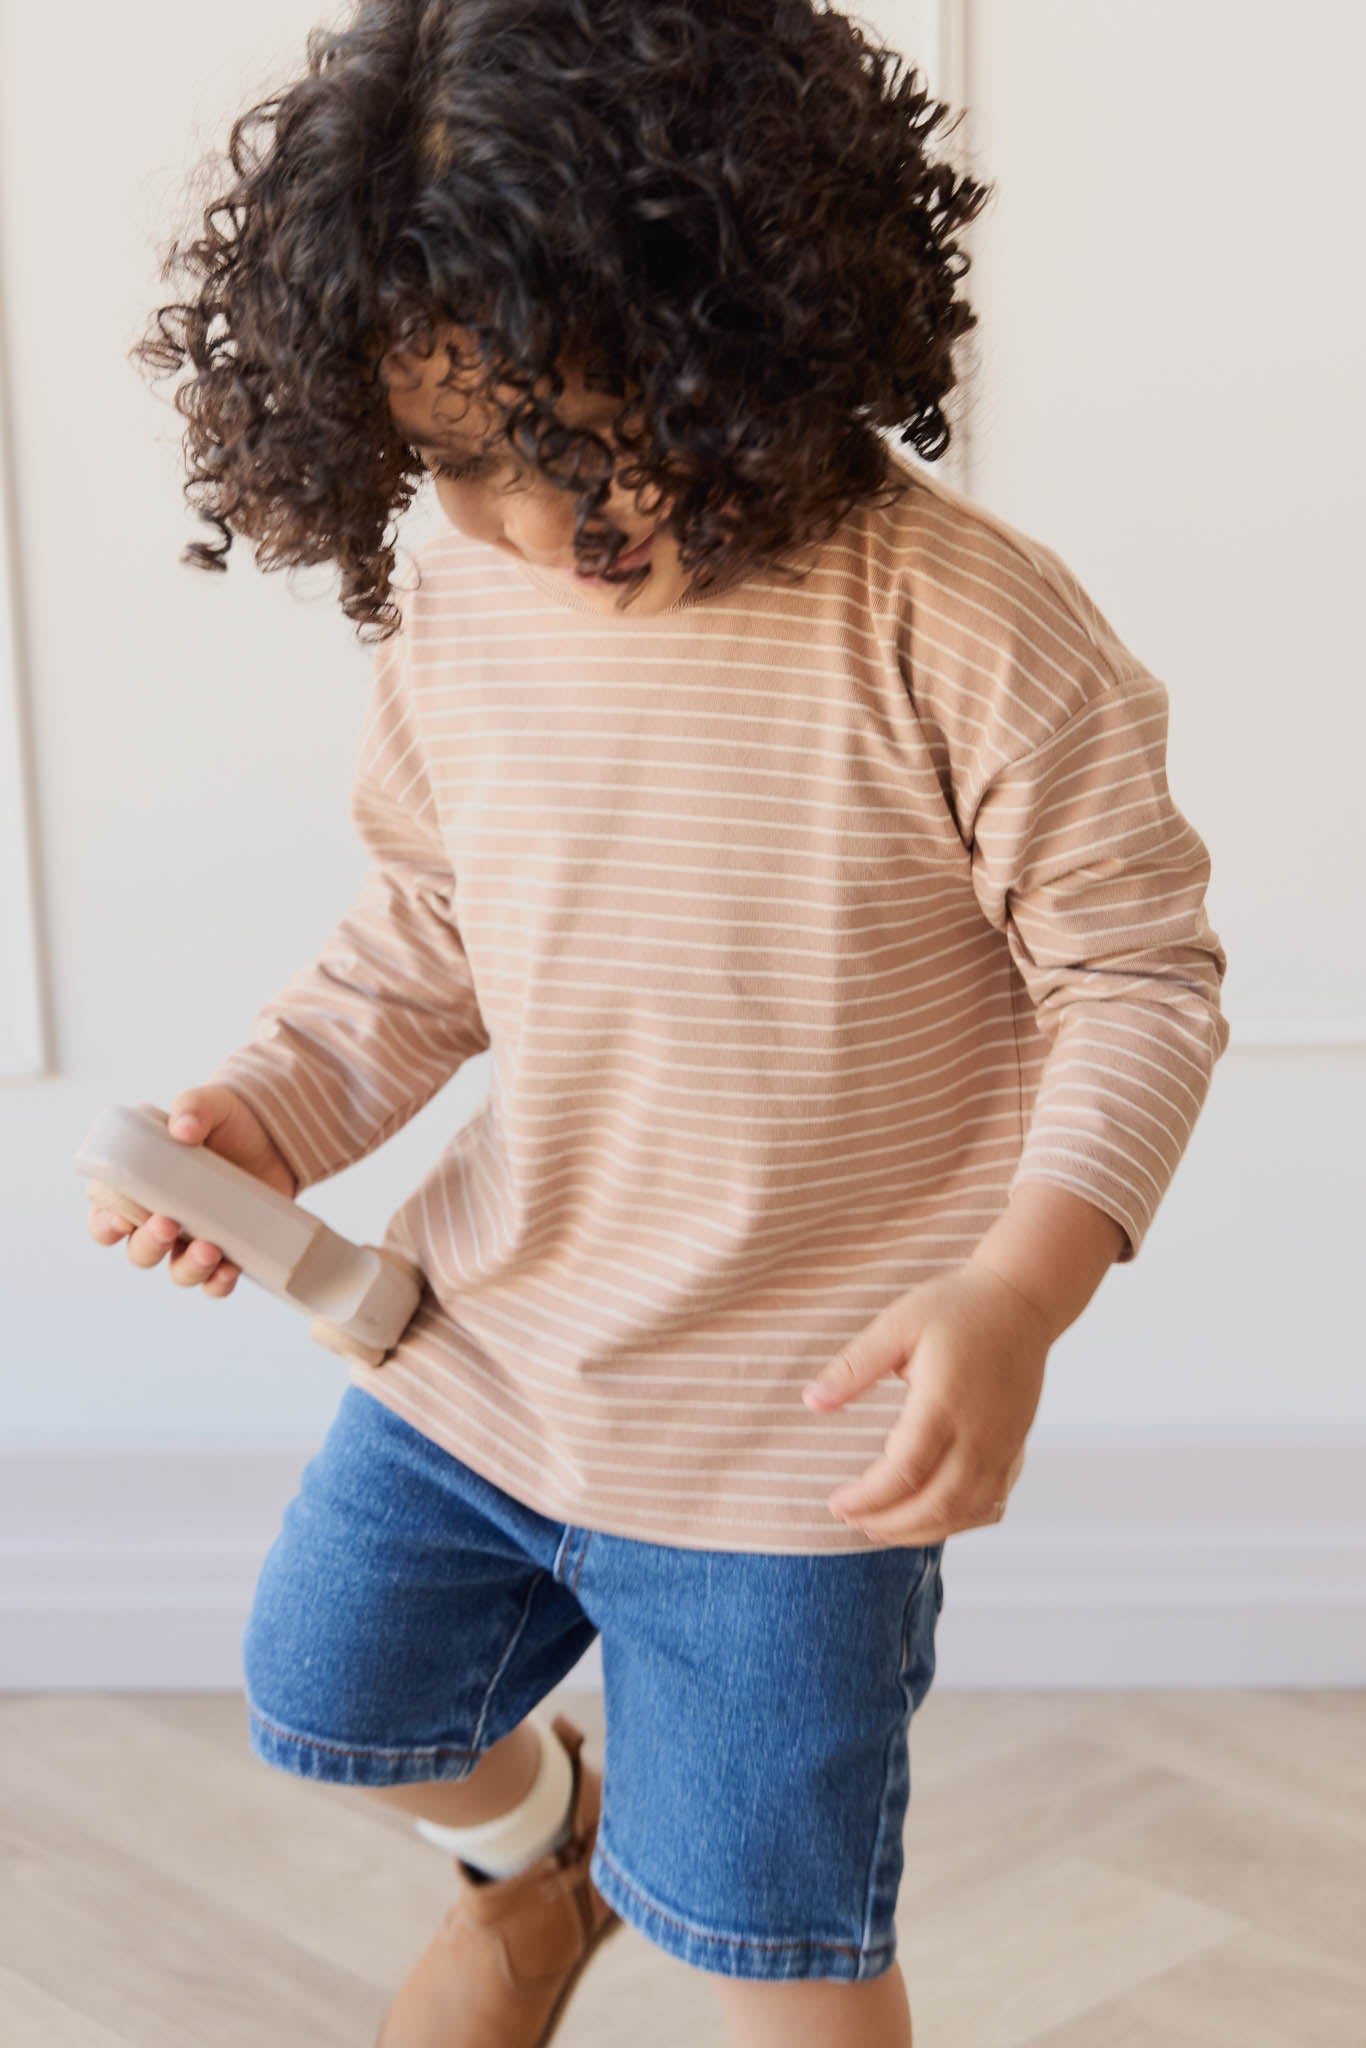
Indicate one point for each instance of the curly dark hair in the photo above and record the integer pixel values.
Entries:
(725, 210)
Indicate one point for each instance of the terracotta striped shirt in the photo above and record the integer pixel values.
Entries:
(802, 922)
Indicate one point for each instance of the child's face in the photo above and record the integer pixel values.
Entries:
(505, 503)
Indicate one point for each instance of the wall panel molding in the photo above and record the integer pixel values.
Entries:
(22, 1053)
(1150, 1560)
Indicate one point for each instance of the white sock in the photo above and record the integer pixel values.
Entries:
(510, 1841)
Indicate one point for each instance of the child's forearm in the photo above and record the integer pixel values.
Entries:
(1053, 1247)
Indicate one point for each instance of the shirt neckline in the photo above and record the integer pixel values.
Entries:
(689, 598)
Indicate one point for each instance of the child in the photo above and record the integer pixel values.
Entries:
(796, 837)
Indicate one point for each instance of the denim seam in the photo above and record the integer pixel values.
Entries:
(353, 1748)
(502, 1663)
(422, 1748)
(561, 1551)
(874, 1854)
(733, 1941)
(896, 1735)
(931, 1559)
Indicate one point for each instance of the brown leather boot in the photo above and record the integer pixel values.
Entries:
(499, 1970)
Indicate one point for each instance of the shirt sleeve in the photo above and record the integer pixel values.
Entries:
(1082, 859)
(361, 1039)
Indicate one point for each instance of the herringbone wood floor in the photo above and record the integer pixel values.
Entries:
(1084, 1870)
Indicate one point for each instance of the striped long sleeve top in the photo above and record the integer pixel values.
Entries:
(801, 922)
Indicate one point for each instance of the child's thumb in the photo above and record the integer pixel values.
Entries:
(198, 1111)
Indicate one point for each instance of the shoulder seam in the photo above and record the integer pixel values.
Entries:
(1045, 562)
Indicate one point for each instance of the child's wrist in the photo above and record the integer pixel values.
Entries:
(1053, 1248)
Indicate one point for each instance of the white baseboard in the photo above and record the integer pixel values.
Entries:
(1142, 1562)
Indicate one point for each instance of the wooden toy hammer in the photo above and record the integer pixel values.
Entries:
(361, 1298)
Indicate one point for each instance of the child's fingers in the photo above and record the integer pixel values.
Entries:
(150, 1242)
(105, 1227)
(195, 1262)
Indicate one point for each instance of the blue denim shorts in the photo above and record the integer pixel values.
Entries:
(756, 1767)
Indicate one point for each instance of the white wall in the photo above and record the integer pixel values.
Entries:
(194, 739)
(1170, 393)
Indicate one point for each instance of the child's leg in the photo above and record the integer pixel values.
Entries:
(499, 1781)
(817, 2012)
(757, 1707)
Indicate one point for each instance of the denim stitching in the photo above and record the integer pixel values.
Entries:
(501, 1666)
(430, 1749)
(912, 1601)
(588, 1538)
(931, 1558)
(733, 1941)
(353, 1748)
(560, 1553)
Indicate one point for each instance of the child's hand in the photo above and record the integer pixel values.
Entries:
(221, 1120)
(972, 1352)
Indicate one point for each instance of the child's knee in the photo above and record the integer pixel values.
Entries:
(816, 2012)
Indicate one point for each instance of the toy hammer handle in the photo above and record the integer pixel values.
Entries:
(360, 1297)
